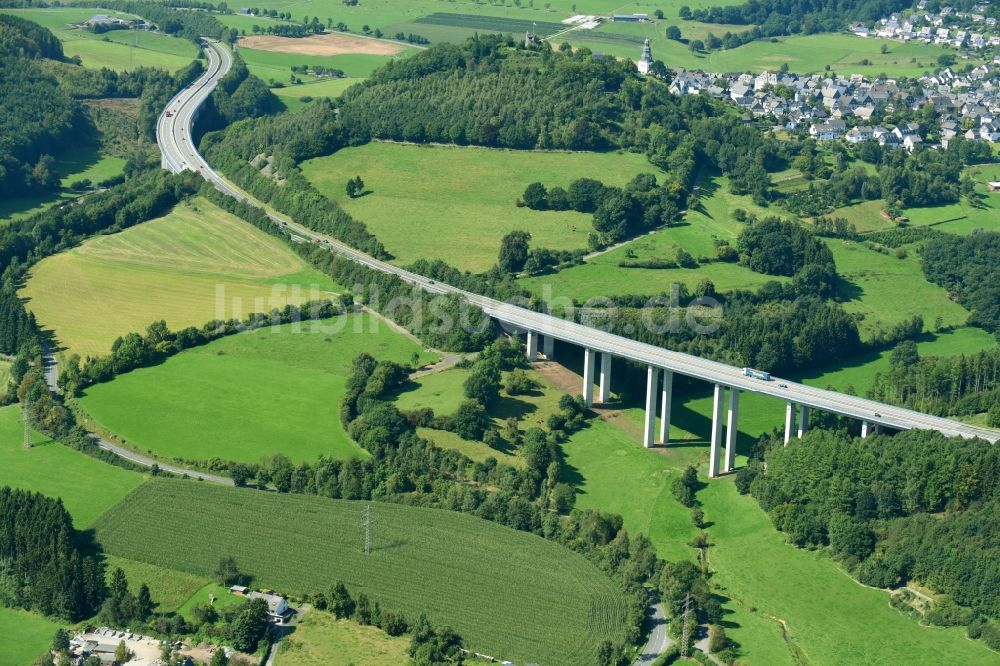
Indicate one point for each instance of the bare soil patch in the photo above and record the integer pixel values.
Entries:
(322, 45)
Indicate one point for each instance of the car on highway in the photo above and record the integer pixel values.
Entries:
(782, 385)
(877, 415)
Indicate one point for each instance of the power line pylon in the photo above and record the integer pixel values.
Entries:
(366, 522)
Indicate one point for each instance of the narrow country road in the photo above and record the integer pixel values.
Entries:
(658, 641)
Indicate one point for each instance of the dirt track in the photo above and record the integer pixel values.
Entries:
(321, 45)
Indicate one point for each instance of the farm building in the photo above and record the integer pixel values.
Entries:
(629, 18)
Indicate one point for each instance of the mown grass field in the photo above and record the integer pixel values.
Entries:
(426, 201)
(87, 486)
(26, 636)
(712, 219)
(507, 593)
(330, 88)
(119, 50)
(320, 639)
(72, 165)
(274, 390)
(195, 264)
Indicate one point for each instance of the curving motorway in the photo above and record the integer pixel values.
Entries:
(173, 136)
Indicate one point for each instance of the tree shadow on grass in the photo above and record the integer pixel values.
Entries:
(506, 407)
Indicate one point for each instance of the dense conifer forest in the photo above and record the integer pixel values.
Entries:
(47, 564)
(967, 267)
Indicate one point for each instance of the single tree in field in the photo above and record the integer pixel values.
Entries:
(513, 251)
(355, 187)
(673, 32)
(228, 573)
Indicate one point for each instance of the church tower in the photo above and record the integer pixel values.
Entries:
(646, 61)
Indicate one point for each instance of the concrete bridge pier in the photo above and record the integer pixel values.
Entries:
(652, 381)
(532, 346)
(869, 428)
(715, 452)
(789, 421)
(732, 428)
(803, 420)
(589, 359)
(604, 391)
(548, 347)
(666, 397)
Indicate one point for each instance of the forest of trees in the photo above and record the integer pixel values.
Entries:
(967, 267)
(39, 117)
(48, 566)
(914, 507)
(943, 385)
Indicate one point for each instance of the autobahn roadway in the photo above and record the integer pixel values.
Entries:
(174, 132)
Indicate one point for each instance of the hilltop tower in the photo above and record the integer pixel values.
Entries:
(646, 61)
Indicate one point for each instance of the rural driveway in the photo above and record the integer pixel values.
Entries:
(658, 641)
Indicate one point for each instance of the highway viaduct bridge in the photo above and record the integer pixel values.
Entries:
(542, 330)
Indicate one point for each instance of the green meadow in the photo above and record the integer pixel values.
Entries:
(885, 290)
(425, 201)
(193, 265)
(26, 636)
(119, 50)
(505, 592)
(292, 96)
(87, 486)
(321, 639)
(272, 66)
(274, 390)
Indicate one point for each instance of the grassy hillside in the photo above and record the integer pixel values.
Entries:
(193, 265)
(248, 395)
(507, 593)
(763, 579)
(426, 201)
(118, 49)
(322, 640)
(87, 486)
